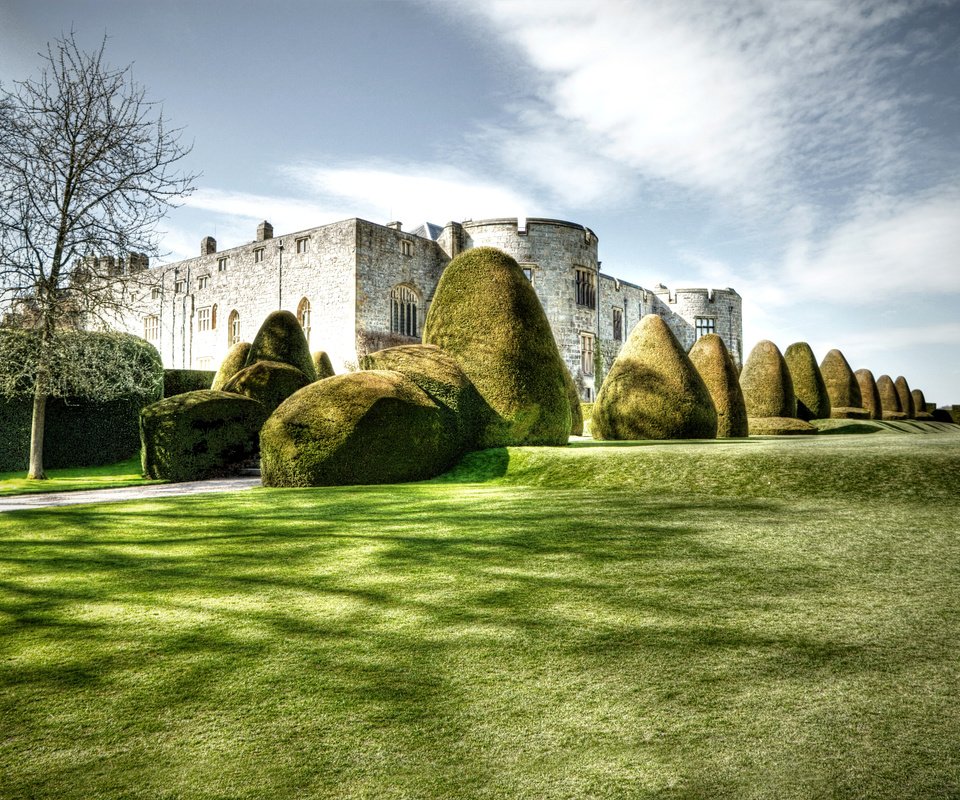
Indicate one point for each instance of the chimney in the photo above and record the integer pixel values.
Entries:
(397, 226)
(264, 231)
(208, 246)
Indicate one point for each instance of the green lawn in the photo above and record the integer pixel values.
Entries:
(126, 473)
(766, 618)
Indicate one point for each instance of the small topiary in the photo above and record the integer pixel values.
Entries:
(843, 388)
(374, 426)
(267, 382)
(869, 393)
(573, 397)
(179, 381)
(198, 435)
(281, 338)
(768, 393)
(323, 365)
(715, 364)
(889, 399)
(653, 391)
(233, 362)
(813, 401)
(486, 314)
(920, 404)
(906, 397)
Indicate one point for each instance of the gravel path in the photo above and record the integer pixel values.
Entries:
(27, 501)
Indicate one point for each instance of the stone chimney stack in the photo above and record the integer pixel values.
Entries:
(397, 226)
(208, 246)
(264, 231)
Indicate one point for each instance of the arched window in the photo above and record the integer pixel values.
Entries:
(303, 315)
(213, 317)
(403, 311)
(233, 328)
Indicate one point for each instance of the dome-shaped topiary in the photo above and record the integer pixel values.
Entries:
(920, 405)
(768, 393)
(486, 314)
(869, 393)
(889, 399)
(813, 401)
(906, 397)
(281, 338)
(363, 427)
(715, 364)
(573, 398)
(323, 365)
(653, 391)
(438, 374)
(843, 388)
(268, 382)
(234, 361)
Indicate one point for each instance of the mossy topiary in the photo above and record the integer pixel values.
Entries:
(653, 391)
(198, 434)
(843, 388)
(889, 399)
(906, 397)
(486, 314)
(439, 375)
(234, 361)
(267, 382)
(780, 426)
(323, 365)
(920, 405)
(715, 364)
(364, 427)
(768, 394)
(813, 400)
(869, 393)
(281, 338)
(573, 397)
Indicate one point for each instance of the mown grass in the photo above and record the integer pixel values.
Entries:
(568, 635)
(124, 473)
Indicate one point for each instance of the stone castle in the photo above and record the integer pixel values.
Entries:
(357, 286)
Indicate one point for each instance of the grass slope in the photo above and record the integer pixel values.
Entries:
(584, 623)
(125, 473)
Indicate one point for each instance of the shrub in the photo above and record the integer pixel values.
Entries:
(267, 382)
(869, 393)
(780, 426)
(920, 404)
(813, 401)
(906, 397)
(843, 387)
(15, 420)
(768, 394)
(281, 338)
(573, 398)
(889, 399)
(714, 363)
(233, 362)
(944, 415)
(653, 391)
(198, 434)
(365, 427)
(323, 365)
(486, 314)
(180, 381)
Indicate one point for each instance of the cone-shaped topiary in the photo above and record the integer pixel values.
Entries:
(323, 365)
(653, 391)
(268, 382)
(486, 314)
(364, 427)
(906, 397)
(813, 401)
(843, 388)
(573, 397)
(869, 393)
(234, 361)
(198, 434)
(768, 393)
(714, 363)
(438, 374)
(889, 399)
(281, 338)
(920, 405)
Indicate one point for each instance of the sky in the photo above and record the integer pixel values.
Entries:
(803, 152)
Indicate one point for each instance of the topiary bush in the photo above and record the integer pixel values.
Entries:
(199, 434)
(179, 381)
(768, 393)
(573, 398)
(281, 338)
(323, 365)
(906, 397)
(813, 400)
(653, 391)
(869, 393)
(843, 388)
(486, 314)
(233, 362)
(714, 363)
(373, 426)
(267, 382)
(920, 405)
(889, 399)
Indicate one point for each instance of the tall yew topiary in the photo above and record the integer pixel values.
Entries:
(869, 393)
(323, 365)
(906, 397)
(768, 393)
(843, 388)
(889, 399)
(920, 405)
(715, 364)
(234, 361)
(281, 338)
(813, 400)
(653, 391)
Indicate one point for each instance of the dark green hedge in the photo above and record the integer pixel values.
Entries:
(181, 381)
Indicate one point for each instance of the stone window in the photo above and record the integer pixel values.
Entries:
(205, 362)
(179, 286)
(151, 328)
(705, 325)
(222, 264)
(403, 311)
(213, 316)
(528, 271)
(586, 354)
(203, 319)
(406, 247)
(233, 328)
(302, 244)
(155, 293)
(618, 324)
(258, 255)
(203, 281)
(586, 283)
(303, 315)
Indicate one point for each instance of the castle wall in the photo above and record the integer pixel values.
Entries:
(681, 308)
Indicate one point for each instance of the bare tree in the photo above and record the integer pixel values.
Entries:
(88, 167)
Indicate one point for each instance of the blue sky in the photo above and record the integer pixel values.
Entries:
(805, 152)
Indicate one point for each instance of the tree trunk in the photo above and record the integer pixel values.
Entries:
(36, 437)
